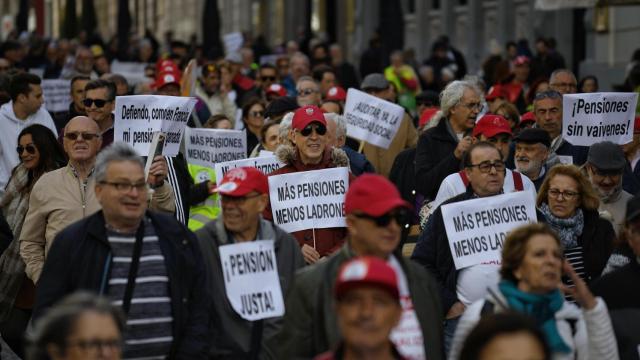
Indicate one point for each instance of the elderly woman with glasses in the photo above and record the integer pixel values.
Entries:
(570, 206)
(39, 152)
(311, 151)
(531, 270)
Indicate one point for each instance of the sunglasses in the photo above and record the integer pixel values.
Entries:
(401, 217)
(85, 136)
(268, 78)
(99, 102)
(30, 149)
(257, 113)
(306, 92)
(319, 129)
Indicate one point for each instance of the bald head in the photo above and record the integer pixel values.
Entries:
(82, 140)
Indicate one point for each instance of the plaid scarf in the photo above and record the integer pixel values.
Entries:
(14, 208)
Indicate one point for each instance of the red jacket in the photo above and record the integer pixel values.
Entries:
(327, 240)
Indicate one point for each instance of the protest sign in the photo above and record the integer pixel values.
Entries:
(132, 71)
(372, 119)
(309, 199)
(137, 117)
(232, 42)
(266, 164)
(476, 228)
(251, 279)
(207, 147)
(594, 117)
(57, 94)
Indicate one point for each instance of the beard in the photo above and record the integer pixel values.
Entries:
(607, 196)
(532, 167)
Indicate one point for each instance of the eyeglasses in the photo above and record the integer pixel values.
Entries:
(96, 345)
(564, 85)
(257, 113)
(319, 129)
(238, 200)
(486, 166)
(306, 92)
(85, 136)
(125, 186)
(472, 106)
(569, 195)
(30, 149)
(268, 78)
(401, 217)
(99, 102)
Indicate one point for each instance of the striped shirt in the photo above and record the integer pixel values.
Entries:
(574, 256)
(148, 334)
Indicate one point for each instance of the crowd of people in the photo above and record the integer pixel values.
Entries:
(108, 255)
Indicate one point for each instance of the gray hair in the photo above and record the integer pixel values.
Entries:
(341, 124)
(549, 94)
(453, 93)
(116, 152)
(301, 56)
(308, 78)
(557, 72)
(285, 126)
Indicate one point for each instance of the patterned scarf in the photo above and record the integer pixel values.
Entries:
(567, 229)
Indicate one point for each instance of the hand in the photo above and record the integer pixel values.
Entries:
(580, 291)
(456, 310)
(157, 171)
(211, 185)
(310, 255)
(463, 146)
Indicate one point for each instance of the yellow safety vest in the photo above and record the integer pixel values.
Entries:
(202, 213)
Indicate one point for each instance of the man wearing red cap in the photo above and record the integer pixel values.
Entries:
(367, 309)
(311, 151)
(518, 85)
(375, 214)
(496, 96)
(496, 130)
(244, 195)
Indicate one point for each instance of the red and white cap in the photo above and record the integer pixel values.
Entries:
(276, 89)
(241, 181)
(166, 78)
(366, 271)
(335, 93)
(306, 115)
(491, 125)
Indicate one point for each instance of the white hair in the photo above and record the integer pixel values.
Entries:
(453, 93)
(285, 126)
(341, 124)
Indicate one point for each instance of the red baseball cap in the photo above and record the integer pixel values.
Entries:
(527, 117)
(366, 271)
(521, 60)
(166, 78)
(496, 91)
(491, 125)
(165, 65)
(335, 93)
(373, 195)
(306, 115)
(241, 181)
(276, 89)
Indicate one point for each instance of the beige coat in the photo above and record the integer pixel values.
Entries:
(57, 200)
(382, 159)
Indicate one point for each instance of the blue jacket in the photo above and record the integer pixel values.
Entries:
(358, 162)
(80, 259)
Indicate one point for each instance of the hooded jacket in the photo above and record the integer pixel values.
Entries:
(327, 240)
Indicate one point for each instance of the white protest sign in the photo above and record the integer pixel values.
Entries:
(309, 199)
(266, 164)
(265, 153)
(57, 94)
(232, 42)
(132, 71)
(372, 119)
(594, 117)
(251, 279)
(476, 228)
(207, 147)
(137, 117)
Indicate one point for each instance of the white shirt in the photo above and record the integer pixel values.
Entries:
(10, 128)
(474, 282)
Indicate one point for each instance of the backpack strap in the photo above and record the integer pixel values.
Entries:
(517, 181)
(464, 178)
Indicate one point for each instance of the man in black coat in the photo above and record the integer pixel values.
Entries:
(147, 263)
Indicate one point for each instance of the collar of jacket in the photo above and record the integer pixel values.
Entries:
(331, 157)
(442, 132)
(97, 226)
(265, 231)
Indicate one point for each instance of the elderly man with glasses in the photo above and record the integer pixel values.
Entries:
(308, 91)
(563, 81)
(311, 151)
(66, 195)
(145, 262)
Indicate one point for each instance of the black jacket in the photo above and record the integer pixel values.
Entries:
(619, 289)
(597, 243)
(80, 259)
(434, 159)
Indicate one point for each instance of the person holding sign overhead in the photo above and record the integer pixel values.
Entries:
(311, 152)
(228, 243)
(570, 206)
(532, 266)
(375, 214)
(459, 288)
